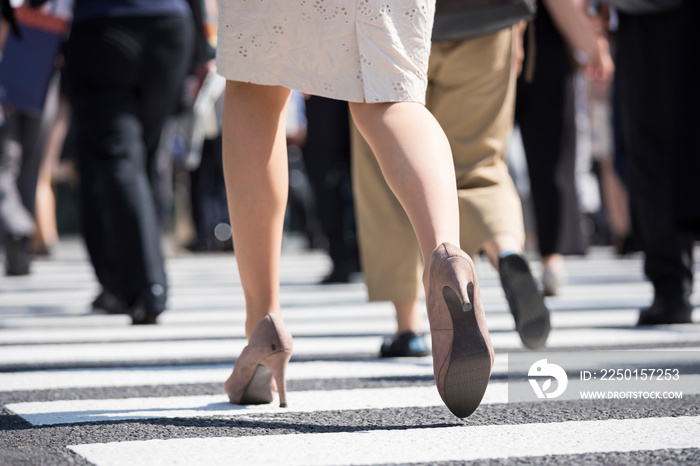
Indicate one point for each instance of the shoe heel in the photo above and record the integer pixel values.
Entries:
(276, 363)
(456, 273)
(463, 290)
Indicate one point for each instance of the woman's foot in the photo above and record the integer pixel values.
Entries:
(462, 350)
(265, 358)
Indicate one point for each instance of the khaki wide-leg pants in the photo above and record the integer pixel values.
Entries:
(471, 92)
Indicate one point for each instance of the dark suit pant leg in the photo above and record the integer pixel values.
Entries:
(648, 56)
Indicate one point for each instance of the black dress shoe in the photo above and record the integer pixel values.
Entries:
(665, 311)
(17, 256)
(141, 315)
(408, 344)
(148, 306)
(525, 301)
(336, 276)
(108, 303)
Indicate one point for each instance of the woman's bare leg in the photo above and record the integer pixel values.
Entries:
(257, 180)
(409, 317)
(416, 160)
(500, 242)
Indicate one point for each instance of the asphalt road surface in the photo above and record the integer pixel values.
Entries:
(77, 388)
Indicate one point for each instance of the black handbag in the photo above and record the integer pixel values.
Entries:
(462, 19)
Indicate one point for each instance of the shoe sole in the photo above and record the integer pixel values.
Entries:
(469, 369)
(527, 305)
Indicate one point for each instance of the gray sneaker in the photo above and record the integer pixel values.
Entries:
(525, 301)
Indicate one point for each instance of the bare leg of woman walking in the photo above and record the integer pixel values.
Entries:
(256, 173)
(415, 157)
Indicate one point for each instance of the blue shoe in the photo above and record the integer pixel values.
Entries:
(408, 344)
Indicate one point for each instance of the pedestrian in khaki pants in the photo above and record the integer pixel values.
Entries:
(475, 58)
(471, 92)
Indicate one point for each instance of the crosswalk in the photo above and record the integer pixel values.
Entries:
(79, 388)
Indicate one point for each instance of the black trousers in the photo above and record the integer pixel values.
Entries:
(545, 113)
(124, 79)
(687, 200)
(208, 195)
(327, 158)
(648, 60)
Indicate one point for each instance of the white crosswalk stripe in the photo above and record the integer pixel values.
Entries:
(135, 376)
(399, 446)
(202, 350)
(76, 411)
(117, 394)
(369, 318)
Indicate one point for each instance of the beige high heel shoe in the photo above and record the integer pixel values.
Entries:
(462, 351)
(266, 357)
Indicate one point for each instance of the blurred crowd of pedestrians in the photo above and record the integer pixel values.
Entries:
(603, 87)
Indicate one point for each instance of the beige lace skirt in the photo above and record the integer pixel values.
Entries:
(354, 50)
